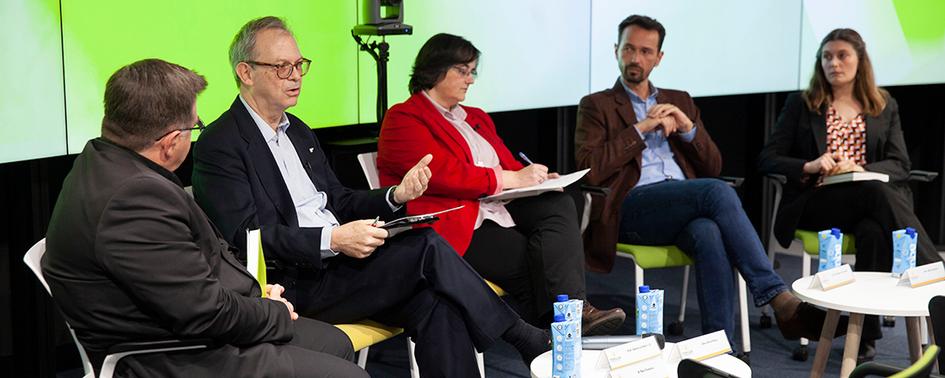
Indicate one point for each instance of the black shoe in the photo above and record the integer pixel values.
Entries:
(867, 351)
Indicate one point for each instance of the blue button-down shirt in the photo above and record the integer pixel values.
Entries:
(309, 202)
(657, 163)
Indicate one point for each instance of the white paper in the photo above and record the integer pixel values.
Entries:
(252, 252)
(855, 176)
(547, 186)
(833, 278)
(703, 347)
(924, 274)
(629, 354)
(649, 368)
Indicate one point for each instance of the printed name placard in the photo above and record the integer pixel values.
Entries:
(833, 278)
(703, 347)
(631, 353)
(923, 275)
(649, 368)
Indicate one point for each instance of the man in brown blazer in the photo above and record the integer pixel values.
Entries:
(649, 146)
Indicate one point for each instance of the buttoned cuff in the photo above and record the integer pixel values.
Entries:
(689, 135)
(325, 247)
(390, 194)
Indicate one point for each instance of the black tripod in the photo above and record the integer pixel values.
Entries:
(380, 53)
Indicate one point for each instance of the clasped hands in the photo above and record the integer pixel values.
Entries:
(831, 164)
(274, 292)
(360, 238)
(668, 117)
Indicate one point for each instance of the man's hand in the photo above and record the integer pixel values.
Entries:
(844, 166)
(274, 292)
(357, 239)
(415, 181)
(821, 165)
(647, 125)
(532, 174)
(683, 124)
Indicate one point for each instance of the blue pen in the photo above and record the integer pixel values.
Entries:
(525, 158)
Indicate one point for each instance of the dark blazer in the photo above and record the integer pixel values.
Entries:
(608, 144)
(800, 135)
(131, 257)
(415, 128)
(237, 182)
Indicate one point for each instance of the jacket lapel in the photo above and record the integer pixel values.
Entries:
(873, 126)
(264, 164)
(624, 108)
(818, 127)
(443, 126)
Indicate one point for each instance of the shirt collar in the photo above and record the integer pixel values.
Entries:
(457, 113)
(633, 96)
(267, 131)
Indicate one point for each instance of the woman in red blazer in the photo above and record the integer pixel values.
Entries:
(531, 247)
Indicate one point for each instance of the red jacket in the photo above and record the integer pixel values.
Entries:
(415, 128)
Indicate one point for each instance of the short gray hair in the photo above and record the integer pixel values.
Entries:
(243, 46)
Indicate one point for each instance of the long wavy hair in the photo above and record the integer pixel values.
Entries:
(820, 93)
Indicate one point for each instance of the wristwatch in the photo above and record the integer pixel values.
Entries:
(390, 196)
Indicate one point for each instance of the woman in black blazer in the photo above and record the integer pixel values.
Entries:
(842, 123)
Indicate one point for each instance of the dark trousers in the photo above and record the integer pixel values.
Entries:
(539, 258)
(418, 282)
(704, 218)
(870, 211)
(316, 350)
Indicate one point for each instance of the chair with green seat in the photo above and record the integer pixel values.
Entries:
(669, 256)
(810, 245)
(920, 369)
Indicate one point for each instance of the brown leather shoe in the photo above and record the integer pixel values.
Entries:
(600, 322)
(807, 321)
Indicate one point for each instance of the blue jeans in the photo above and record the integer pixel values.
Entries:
(704, 218)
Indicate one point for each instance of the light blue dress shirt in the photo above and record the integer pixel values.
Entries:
(309, 202)
(657, 163)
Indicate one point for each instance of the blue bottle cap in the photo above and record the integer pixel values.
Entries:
(561, 298)
(644, 289)
(559, 318)
(835, 232)
(910, 231)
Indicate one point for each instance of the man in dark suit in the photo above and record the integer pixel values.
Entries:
(259, 167)
(649, 146)
(131, 257)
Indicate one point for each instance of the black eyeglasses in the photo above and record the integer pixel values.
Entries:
(199, 127)
(284, 70)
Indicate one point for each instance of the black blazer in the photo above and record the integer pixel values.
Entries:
(131, 257)
(237, 182)
(800, 135)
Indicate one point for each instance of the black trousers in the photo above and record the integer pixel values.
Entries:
(316, 350)
(871, 211)
(418, 282)
(539, 258)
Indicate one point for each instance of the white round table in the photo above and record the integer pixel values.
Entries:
(541, 365)
(872, 293)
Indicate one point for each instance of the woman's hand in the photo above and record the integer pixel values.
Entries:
(532, 174)
(844, 166)
(822, 165)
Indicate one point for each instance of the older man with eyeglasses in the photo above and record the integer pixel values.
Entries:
(259, 167)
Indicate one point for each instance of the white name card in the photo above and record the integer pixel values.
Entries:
(622, 355)
(924, 274)
(649, 368)
(703, 347)
(833, 278)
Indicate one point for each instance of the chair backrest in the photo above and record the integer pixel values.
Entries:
(937, 317)
(33, 259)
(921, 368)
(368, 162)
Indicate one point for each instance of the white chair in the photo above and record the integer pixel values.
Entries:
(368, 162)
(33, 258)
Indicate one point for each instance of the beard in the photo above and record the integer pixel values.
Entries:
(634, 74)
